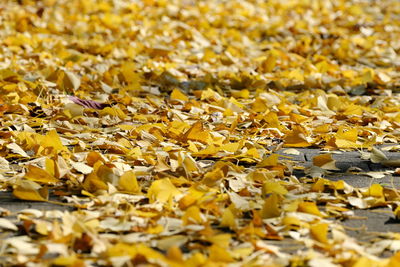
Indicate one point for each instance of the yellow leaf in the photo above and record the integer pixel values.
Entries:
(51, 139)
(189, 164)
(128, 72)
(221, 240)
(325, 161)
(121, 249)
(210, 150)
(292, 223)
(309, 207)
(192, 147)
(219, 254)
(269, 63)
(241, 94)
(41, 228)
(319, 185)
(178, 95)
(29, 190)
(297, 138)
(297, 118)
(368, 75)
(93, 183)
(211, 178)
(70, 260)
(273, 187)
(319, 232)
(375, 190)
(393, 261)
(51, 167)
(196, 259)
(112, 21)
(113, 111)
(162, 191)
(198, 133)
(367, 262)
(39, 175)
(253, 153)
(259, 105)
(210, 94)
(324, 128)
(174, 253)
(271, 208)
(192, 216)
(271, 161)
(296, 74)
(127, 182)
(346, 137)
(156, 229)
(228, 219)
(191, 197)
(336, 185)
(93, 157)
(230, 147)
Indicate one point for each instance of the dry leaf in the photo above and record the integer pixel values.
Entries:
(29, 190)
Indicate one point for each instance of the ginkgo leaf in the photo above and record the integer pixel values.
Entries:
(271, 207)
(52, 139)
(128, 182)
(161, 123)
(197, 133)
(178, 95)
(325, 161)
(273, 187)
(39, 175)
(297, 138)
(377, 156)
(309, 207)
(162, 190)
(192, 215)
(319, 232)
(228, 219)
(346, 137)
(113, 111)
(93, 183)
(17, 150)
(29, 190)
(71, 81)
(269, 161)
(219, 254)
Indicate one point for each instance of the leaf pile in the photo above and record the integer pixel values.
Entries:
(160, 122)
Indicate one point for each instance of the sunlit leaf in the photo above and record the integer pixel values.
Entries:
(162, 190)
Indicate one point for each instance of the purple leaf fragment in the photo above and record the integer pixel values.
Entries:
(88, 103)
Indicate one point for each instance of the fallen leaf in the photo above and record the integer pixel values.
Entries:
(39, 175)
(162, 190)
(29, 190)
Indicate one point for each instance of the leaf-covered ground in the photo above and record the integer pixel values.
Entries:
(159, 124)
